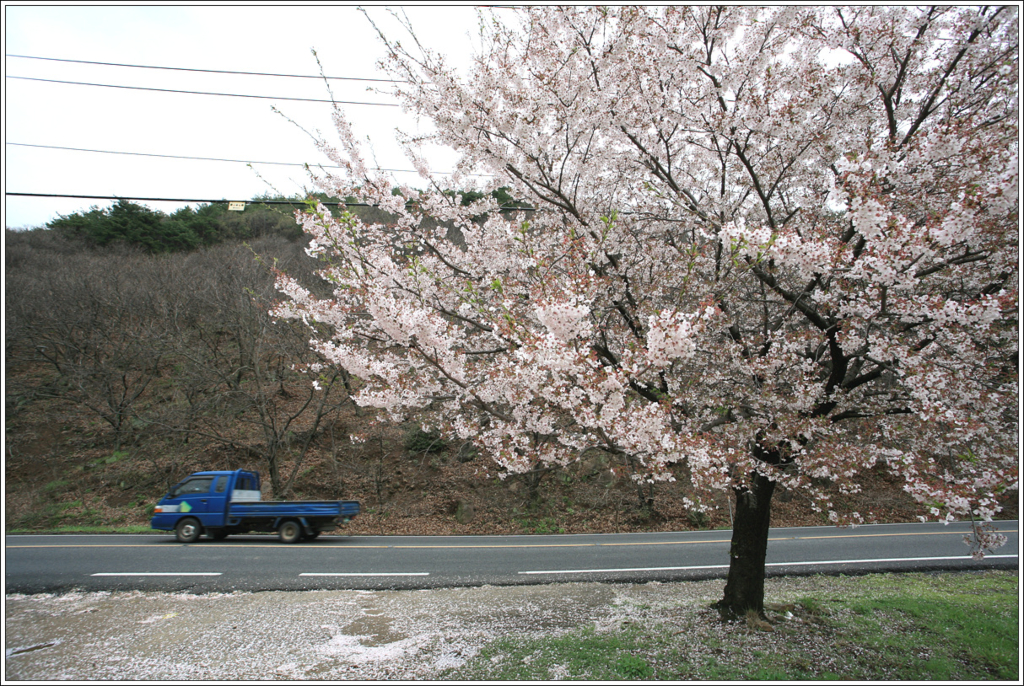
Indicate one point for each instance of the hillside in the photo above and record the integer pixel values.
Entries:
(127, 370)
(64, 471)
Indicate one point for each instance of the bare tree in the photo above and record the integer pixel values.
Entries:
(97, 321)
(237, 375)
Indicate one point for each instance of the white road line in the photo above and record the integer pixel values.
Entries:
(769, 564)
(626, 569)
(158, 574)
(888, 559)
(365, 574)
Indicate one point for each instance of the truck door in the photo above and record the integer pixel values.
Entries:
(193, 496)
(217, 502)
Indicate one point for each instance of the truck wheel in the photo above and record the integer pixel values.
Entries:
(289, 532)
(188, 530)
(310, 537)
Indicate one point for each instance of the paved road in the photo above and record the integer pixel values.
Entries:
(38, 564)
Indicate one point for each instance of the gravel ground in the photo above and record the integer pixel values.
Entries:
(331, 634)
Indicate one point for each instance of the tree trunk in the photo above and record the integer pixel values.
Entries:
(744, 589)
(533, 479)
(274, 469)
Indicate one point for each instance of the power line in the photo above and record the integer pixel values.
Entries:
(230, 95)
(209, 201)
(206, 159)
(207, 71)
(183, 157)
(188, 200)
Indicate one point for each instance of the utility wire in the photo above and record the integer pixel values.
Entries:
(209, 159)
(207, 71)
(230, 95)
(221, 200)
(187, 157)
(176, 157)
(190, 200)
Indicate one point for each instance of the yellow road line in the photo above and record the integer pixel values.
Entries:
(511, 545)
(201, 545)
(930, 533)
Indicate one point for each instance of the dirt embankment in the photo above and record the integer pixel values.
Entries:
(63, 471)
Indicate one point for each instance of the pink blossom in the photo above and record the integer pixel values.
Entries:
(734, 242)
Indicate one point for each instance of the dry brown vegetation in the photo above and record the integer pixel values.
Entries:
(63, 470)
(125, 372)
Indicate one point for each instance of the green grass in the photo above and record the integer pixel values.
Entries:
(941, 629)
(87, 529)
(911, 627)
(58, 485)
(540, 525)
(581, 654)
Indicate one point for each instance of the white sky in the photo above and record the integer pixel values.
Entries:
(271, 39)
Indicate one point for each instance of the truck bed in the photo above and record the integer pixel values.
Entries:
(294, 508)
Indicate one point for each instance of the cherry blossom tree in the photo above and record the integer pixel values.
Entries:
(774, 245)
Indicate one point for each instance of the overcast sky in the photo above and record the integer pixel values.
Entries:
(251, 39)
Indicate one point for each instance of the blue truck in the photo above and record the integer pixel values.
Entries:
(223, 503)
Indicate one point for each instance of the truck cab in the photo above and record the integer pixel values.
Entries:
(205, 496)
